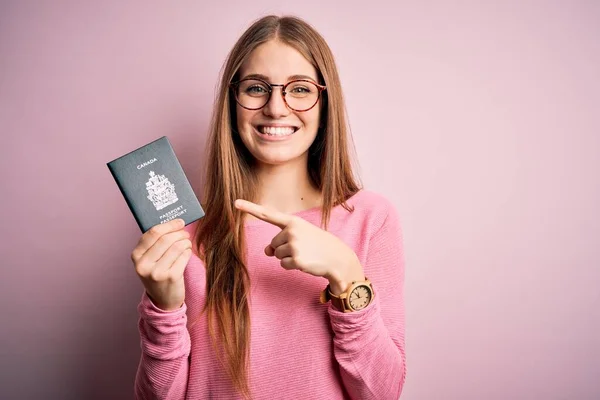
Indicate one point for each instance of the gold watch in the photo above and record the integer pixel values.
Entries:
(357, 297)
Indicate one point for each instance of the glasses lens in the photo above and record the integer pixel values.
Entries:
(252, 93)
(301, 95)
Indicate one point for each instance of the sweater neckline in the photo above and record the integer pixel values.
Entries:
(306, 214)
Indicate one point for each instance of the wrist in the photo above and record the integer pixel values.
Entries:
(341, 278)
(164, 307)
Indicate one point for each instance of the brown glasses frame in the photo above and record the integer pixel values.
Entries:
(234, 86)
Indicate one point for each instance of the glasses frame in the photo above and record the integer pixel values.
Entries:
(235, 85)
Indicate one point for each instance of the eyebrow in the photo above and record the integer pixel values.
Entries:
(290, 78)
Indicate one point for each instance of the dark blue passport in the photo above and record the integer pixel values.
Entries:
(155, 186)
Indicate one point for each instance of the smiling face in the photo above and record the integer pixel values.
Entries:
(275, 134)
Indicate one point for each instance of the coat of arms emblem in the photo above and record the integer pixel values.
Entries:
(161, 192)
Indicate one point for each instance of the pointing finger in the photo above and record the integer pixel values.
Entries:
(268, 215)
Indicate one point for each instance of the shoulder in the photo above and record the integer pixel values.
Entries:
(372, 209)
(373, 201)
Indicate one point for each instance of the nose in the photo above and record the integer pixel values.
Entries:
(276, 107)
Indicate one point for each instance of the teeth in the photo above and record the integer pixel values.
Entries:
(277, 131)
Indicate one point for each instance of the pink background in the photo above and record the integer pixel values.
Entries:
(480, 121)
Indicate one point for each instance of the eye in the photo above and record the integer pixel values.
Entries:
(256, 89)
(301, 89)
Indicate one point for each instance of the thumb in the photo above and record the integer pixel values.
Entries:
(269, 250)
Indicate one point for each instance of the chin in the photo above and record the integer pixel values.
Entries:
(278, 158)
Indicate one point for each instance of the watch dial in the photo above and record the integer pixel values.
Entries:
(360, 297)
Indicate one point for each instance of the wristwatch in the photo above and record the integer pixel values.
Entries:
(357, 297)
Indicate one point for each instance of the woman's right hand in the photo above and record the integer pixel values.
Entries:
(160, 258)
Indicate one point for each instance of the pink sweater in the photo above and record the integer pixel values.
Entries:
(300, 348)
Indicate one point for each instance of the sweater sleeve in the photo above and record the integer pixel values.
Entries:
(165, 342)
(369, 344)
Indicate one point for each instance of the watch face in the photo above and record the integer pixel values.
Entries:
(360, 297)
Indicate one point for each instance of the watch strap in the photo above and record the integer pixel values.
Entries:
(339, 302)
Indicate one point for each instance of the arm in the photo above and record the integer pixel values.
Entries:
(165, 343)
(369, 344)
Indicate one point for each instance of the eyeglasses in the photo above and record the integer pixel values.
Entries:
(298, 95)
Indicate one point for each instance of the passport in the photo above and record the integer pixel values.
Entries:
(155, 186)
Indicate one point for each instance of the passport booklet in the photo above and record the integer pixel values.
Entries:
(155, 186)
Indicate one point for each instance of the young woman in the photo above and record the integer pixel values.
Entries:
(291, 286)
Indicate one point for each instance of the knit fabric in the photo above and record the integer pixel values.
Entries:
(299, 348)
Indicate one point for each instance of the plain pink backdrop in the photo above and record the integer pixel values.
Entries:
(480, 121)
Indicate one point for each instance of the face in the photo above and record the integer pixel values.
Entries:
(275, 134)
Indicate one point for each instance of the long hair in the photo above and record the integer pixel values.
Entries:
(230, 175)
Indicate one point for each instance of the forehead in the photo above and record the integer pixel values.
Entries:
(278, 62)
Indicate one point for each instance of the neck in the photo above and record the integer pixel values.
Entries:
(287, 187)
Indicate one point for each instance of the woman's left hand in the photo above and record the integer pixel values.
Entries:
(303, 246)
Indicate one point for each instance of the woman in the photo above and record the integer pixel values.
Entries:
(291, 286)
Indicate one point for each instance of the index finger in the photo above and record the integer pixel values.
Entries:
(268, 215)
(153, 234)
